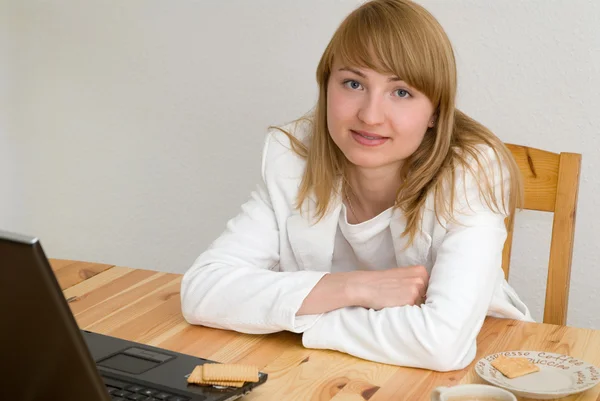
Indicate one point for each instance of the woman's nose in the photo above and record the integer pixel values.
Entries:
(371, 110)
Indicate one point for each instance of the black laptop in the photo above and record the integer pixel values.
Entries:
(45, 356)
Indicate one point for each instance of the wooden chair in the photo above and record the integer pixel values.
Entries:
(551, 183)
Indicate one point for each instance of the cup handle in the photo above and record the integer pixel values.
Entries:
(436, 394)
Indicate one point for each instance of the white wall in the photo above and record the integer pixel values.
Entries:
(9, 191)
(140, 123)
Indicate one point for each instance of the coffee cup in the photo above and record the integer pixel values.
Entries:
(471, 392)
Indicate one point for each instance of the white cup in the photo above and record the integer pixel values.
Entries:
(475, 390)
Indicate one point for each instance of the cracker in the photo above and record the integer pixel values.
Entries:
(229, 372)
(220, 383)
(196, 375)
(196, 378)
(514, 367)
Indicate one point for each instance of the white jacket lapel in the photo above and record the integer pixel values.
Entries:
(312, 243)
(415, 254)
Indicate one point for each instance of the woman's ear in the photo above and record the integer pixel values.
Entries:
(432, 121)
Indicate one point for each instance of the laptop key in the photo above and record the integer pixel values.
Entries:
(148, 391)
(118, 399)
(121, 393)
(162, 396)
(111, 389)
(134, 388)
(136, 397)
(177, 398)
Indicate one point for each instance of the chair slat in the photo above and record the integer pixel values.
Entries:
(561, 246)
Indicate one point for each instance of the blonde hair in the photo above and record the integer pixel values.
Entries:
(401, 38)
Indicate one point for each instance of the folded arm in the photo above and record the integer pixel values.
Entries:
(439, 334)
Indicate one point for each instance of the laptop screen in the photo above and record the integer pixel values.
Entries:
(43, 353)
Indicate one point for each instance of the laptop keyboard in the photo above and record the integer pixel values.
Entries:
(122, 391)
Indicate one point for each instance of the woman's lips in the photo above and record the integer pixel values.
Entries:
(368, 139)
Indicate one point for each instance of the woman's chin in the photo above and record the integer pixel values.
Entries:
(369, 161)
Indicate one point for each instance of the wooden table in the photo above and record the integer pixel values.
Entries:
(144, 306)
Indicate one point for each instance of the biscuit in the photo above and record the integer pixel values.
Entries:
(229, 372)
(233, 375)
(220, 383)
(514, 367)
(196, 375)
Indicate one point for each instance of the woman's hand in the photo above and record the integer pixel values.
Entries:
(379, 289)
(388, 288)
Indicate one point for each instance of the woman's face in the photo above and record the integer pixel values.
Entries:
(376, 120)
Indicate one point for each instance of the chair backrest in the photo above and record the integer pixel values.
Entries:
(551, 183)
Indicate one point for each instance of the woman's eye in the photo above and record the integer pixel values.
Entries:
(402, 93)
(352, 84)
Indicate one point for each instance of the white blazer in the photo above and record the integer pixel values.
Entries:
(255, 276)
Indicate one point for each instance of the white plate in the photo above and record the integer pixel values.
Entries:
(559, 375)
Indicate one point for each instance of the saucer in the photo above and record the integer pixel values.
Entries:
(559, 375)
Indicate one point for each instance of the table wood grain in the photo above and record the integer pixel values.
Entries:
(71, 272)
(144, 306)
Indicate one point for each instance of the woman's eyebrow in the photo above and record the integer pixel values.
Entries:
(360, 74)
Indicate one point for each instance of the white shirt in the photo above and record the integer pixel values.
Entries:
(364, 246)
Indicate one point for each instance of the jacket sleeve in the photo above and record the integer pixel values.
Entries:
(234, 284)
(440, 334)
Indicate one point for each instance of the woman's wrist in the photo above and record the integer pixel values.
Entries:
(334, 291)
(346, 288)
(356, 293)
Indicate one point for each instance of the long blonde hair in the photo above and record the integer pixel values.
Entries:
(401, 38)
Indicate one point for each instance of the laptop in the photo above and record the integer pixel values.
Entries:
(45, 356)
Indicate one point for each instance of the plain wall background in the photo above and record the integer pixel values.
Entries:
(9, 191)
(136, 126)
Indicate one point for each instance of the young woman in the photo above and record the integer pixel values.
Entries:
(379, 224)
